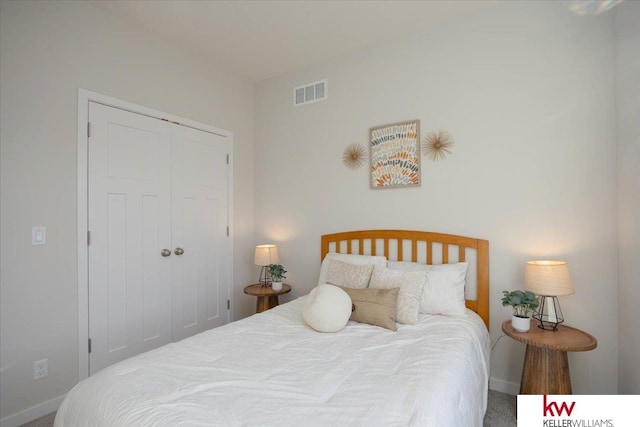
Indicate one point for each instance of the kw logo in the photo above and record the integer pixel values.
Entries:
(548, 408)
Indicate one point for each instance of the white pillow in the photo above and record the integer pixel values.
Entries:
(327, 308)
(351, 259)
(443, 292)
(411, 286)
(406, 266)
(349, 275)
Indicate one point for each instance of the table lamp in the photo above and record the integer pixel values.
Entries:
(548, 280)
(264, 257)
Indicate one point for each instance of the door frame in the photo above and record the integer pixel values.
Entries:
(84, 98)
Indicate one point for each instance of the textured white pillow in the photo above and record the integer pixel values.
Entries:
(444, 288)
(327, 308)
(406, 266)
(349, 275)
(351, 259)
(411, 286)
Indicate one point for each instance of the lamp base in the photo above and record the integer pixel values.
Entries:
(547, 325)
(549, 314)
(264, 277)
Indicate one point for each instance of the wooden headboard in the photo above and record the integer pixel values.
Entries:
(423, 247)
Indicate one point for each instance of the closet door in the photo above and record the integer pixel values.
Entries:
(129, 217)
(200, 268)
(159, 251)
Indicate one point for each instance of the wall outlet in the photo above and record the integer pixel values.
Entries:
(40, 369)
(38, 236)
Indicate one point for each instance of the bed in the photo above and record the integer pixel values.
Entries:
(272, 369)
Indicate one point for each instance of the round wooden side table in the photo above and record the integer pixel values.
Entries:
(546, 365)
(267, 297)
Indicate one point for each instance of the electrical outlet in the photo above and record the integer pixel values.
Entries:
(40, 369)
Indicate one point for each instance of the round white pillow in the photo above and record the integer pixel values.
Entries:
(327, 308)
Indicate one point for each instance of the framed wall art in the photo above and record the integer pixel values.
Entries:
(395, 155)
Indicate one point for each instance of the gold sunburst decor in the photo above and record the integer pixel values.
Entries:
(437, 144)
(353, 156)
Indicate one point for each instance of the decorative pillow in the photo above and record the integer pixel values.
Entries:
(327, 308)
(443, 292)
(351, 259)
(349, 275)
(374, 306)
(411, 285)
(406, 266)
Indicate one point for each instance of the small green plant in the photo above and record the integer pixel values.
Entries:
(277, 272)
(524, 303)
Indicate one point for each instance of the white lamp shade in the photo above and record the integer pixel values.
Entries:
(266, 255)
(549, 278)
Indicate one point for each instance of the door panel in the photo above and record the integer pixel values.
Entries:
(154, 303)
(133, 152)
(116, 272)
(199, 205)
(186, 267)
(214, 302)
(129, 219)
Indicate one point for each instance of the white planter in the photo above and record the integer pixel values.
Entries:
(521, 324)
(276, 286)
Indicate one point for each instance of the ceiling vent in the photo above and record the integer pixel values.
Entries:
(311, 92)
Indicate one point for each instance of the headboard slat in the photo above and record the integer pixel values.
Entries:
(480, 305)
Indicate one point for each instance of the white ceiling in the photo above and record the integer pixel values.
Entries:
(262, 39)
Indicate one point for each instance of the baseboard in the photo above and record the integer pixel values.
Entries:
(32, 413)
(501, 386)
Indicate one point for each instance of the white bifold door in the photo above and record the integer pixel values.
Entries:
(159, 251)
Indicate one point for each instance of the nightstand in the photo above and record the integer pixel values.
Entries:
(546, 366)
(267, 297)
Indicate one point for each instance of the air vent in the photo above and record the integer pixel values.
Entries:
(311, 92)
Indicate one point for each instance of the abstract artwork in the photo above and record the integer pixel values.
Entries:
(395, 155)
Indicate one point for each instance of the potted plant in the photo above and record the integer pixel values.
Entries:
(524, 304)
(277, 273)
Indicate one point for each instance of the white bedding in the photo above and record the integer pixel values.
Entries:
(271, 369)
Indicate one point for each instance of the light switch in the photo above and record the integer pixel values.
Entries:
(38, 236)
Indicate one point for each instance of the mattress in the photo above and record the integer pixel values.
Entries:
(271, 369)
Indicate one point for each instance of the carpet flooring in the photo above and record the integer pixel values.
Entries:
(501, 412)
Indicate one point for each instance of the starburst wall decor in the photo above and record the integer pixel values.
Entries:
(353, 156)
(437, 145)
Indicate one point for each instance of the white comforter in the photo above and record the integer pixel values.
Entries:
(271, 369)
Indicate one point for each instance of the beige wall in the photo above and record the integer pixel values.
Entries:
(627, 33)
(48, 51)
(527, 91)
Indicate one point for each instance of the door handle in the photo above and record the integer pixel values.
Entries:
(178, 251)
(165, 252)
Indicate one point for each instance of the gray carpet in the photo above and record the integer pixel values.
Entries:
(46, 421)
(501, 412)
